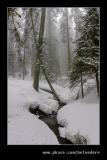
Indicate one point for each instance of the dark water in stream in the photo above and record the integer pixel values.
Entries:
(51, 121)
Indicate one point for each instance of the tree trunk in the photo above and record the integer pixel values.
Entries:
(39, 62)
(39, 49)
(68, 43)
(50, 85)
(33, 58)
(97, 83)
(82, 92)
(24, 65)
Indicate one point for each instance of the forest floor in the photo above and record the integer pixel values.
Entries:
(79, 117)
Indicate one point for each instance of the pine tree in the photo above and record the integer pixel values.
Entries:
(87, 51)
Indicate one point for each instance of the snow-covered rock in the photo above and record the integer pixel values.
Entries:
(48, 106)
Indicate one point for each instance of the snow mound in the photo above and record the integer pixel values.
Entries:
(48, 106)
(80, 118)
(24, 127)
(62, 131)
(29, 130)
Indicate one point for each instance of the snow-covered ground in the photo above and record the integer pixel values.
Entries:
(28, 129)
(24, 127)
(69, 95)
(81, 117)
(78, 117)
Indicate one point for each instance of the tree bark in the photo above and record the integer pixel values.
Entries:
(39, 49)
(82, 91)
(34, 36)
(97, 83)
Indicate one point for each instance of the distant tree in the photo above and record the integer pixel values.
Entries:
(14, 40)
(51, 44)
(66, 36)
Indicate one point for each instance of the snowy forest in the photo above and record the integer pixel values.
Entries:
(53, 75)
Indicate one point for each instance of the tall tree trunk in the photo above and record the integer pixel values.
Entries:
(24, 65)
(40, 62)
(33, 58)
(49, 36)
(39, 49)
(68, 43)
(82, 91)
(97, 83)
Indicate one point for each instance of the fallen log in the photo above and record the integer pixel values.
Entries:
(61, 104)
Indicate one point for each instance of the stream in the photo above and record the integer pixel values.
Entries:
(52, 123)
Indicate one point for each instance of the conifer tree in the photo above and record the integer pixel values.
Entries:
(87, 51)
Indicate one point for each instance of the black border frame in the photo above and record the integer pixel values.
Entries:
(3, 85)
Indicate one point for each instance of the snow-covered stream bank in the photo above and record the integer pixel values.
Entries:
(51, 121)
(24, 127)
(81, 123)
(81, 116)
